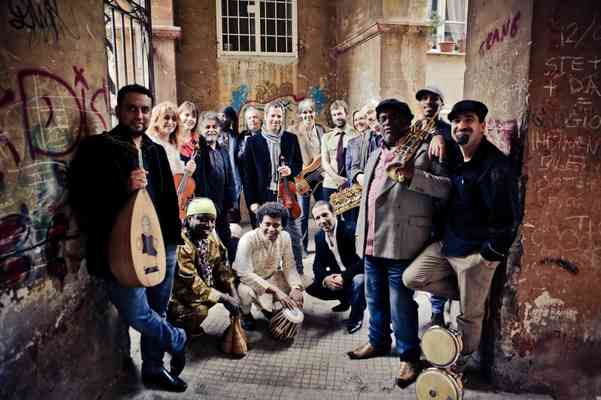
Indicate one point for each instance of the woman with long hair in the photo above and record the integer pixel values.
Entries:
(186, 129)
(163, 130)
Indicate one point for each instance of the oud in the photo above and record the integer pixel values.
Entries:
(137, 254)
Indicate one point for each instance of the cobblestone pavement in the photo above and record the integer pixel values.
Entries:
(313, 367)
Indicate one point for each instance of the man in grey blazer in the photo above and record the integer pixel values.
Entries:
(394, 225)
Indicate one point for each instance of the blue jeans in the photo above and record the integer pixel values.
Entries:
(144, 309)
(437, 303)
(388, 299)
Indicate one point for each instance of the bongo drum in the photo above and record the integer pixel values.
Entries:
(438, 384)
(286, 323)
(441, 346)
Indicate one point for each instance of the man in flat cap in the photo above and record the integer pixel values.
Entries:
(394, 225)
(482, 214)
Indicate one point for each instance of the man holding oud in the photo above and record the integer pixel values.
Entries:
(270, 158)
(309, 136)
(482, 215)
(106, 171)
(266, 266)
(394, 225)
(214, 177)
(204, 277)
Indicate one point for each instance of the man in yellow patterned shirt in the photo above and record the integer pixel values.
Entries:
(204, 277)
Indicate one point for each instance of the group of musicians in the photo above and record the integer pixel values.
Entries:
(437, 213)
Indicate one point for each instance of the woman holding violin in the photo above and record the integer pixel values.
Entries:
(272, 156)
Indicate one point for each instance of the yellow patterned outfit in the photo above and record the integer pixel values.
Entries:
(203, 274)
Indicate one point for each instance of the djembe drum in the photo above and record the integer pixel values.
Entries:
(286, 323)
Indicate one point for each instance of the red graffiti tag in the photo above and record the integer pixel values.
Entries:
(509, 28)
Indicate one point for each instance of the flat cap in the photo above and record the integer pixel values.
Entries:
(474, 106)
(395, 104)
(429, 89)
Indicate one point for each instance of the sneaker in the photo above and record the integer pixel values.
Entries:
(248, 322)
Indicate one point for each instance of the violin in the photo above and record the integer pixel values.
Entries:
(287, 194)
(185, 187)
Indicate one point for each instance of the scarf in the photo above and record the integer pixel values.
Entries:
(206, 269)
(273, 143)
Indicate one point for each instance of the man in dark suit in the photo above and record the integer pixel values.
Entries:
(270, 155)
(337, 268)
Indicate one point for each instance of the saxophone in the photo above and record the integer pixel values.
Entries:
(408, 145)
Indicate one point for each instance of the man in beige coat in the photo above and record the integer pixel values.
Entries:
(394, 225)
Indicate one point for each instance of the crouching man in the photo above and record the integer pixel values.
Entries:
(337, 269)
(266, 267)
(204, 277)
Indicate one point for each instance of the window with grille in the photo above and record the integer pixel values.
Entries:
(449, 17)
(127, 41)
(257, 27)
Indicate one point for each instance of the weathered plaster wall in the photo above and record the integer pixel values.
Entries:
(215, 82)
(380, 49)
(446, 71)
(53, 319)
(544, 75)
(164, 37)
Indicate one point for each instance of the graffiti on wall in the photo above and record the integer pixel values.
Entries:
(509, 29)
(42, 18)
(42, 119)
(269, 91)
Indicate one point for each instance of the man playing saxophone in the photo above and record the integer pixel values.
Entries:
(394, 225)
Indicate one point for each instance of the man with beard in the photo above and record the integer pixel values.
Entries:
(203, 277)
(394, 225)
(360, 147)
(213, 176)
(254, 119)
(337, 269)
(105, 171)
(333, 149)
(269, 156)
(482, 216)
(265, 266)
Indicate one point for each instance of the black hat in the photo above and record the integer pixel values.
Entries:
(474, 106)
(429, 89)
(399, 106)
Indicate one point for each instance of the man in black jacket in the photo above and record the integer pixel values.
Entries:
(214, 177)
(270, 155)
(337, 269)
(105, 171)
(482, 215)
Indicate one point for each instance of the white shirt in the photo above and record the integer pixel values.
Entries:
(333, 245)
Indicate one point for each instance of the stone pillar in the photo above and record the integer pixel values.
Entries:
(164, 37)
(537, 65)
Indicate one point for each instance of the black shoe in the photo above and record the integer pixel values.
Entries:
(341, 307)
(248, 322)
(354, 326)
(178, 362)
(164, 381)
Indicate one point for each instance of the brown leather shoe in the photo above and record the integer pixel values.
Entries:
(367, 351)
(407, 373)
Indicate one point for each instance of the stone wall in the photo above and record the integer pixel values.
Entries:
(214, 82)
(536, 64)
(53, 319)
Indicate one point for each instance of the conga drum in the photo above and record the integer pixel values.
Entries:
(441, 346)
(438, 384)
(286, 324)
